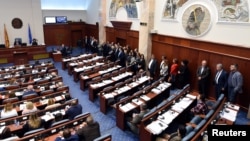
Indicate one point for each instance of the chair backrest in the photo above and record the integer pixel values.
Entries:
(47, 92)
(118, 85)
(209, 114)
(42, 81)
(11, 87)
(59, 122)
(81, 115)
(33, 131)
(30, 96)
(10, 100)
(108, 89)
(196, 119)
(189, 136)
(128, 80)
(63, 88)
(106, 137)
(221, 97)
(200, 125)
(189, 128)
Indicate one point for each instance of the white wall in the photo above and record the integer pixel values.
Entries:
(72, 15)
(234, 34)
(63, 4)
(93, 7)
(29, 11)
(122, 16)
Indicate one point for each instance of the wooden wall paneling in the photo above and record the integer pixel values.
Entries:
(56, 34)
(92, 30)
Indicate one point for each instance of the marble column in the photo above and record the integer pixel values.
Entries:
(102, 21)
(147, 16)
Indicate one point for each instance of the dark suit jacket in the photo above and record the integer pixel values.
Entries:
(205, 74)
(152, 68)
(71, 138)
(222, 80)
(90, 132)
(29, 92)
(74, 111)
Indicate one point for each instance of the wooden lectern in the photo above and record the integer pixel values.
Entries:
(20, 58)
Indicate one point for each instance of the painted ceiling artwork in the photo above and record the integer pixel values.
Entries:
(129, 5)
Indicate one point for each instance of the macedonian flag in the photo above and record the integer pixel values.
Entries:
(6, 37)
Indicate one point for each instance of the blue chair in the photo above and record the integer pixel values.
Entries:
(164, 102)
(189, 136)
(196, 119)
(200, 125)
(34, 131)
(215, 105)
(59, 122)
(188, 129)
(221, 97)
(81, 115)
(209, 114)
(104, 137)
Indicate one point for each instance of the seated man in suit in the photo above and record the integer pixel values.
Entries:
(89, 130)
(29, 90)
(74, 110)
(34, 42)
(67, 135)
(17, 42)
(136, 119)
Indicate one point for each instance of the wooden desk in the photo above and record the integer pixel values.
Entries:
(133, 88)
(153, 98)
(20, 58)
(57, 57)
(33, 53)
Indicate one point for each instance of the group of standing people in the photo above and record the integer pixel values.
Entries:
(179, 75)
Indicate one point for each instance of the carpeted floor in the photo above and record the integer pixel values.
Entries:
(108, 121)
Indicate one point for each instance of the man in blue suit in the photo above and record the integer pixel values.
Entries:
(220, 80)
(30, 90)
(74, 110)
(235, 82)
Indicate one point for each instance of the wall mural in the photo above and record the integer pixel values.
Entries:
(232, 10)
(129, 5)
(196, 20)
(171, 8)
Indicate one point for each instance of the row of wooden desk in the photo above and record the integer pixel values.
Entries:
(21, 55)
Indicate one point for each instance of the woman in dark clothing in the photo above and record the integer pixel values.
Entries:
(183, 74)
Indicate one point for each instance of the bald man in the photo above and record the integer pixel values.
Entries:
(203, 73)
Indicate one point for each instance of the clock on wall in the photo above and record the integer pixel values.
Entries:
(17, 23)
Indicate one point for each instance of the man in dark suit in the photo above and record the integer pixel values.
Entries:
(152, 66)
(89, 130)
(74, 110)
(203, 73)
(235, 83)
(29, 90)
(220, 80)
(121, 57)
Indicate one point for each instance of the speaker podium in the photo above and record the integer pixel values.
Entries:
(20, 58)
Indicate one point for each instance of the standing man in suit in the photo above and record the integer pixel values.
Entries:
(152, 66)
(89, 130)
(235, 82)
(220, 80)
(203, 73)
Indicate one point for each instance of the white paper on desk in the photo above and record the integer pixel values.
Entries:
(191, 96)
(58, 98)
(1, 129)
(184, 104)
(108, 96)
(134, 84)
(115, 78)
(22, 106)
(107, 81)
(144, 97)
(130, 106)
(37, 79)
(18, 93)
(177, 108)
(168, 116)
(129, 73)
(228, 117)
(100, 84)
(124, 108)
(156, 127)
(137, 101)
(47, 117)
(2, 85)
(231, 112)
(143, 79)
(85, 77)
(235, 107)
(156, 91)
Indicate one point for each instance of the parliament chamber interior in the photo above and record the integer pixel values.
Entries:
(124, 70)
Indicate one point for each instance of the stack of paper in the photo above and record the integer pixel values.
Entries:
(156, 127)
(18, 93)
(22, 106)
(168, 116)
(156, 90)
(191, 96)
(58, 98)
(107, 81)
(144, 97)
(108, 96)
(127, 107)
(229, 114)
(133, 84)
(48, 117)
